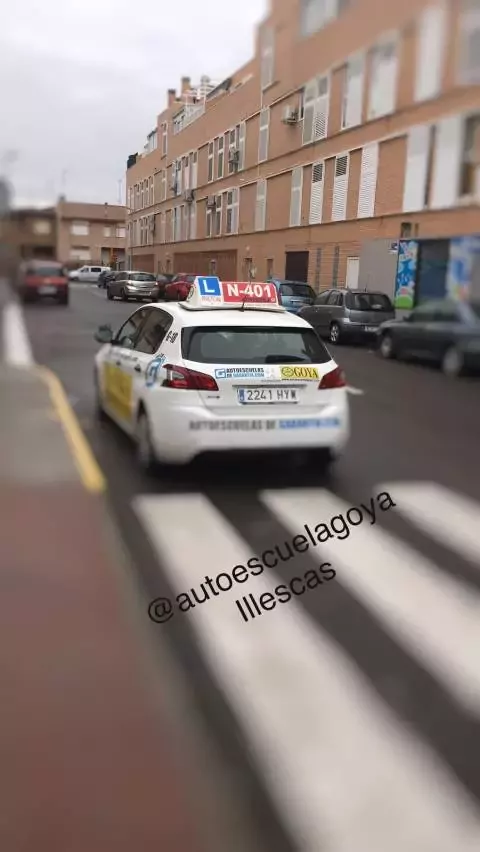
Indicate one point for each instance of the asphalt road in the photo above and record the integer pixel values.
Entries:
(400, 617)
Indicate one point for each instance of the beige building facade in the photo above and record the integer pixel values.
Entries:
(354, 127)
(90, 233)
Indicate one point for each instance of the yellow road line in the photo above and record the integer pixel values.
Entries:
(90, 473)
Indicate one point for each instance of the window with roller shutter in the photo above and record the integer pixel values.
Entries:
(448, 156)
(316, 197)
(417, 171)
(353, 92)
(261, 205)
(263, 135)
(340, 188)
(368, 181)
(383, 79)
(296, 197)
(431, 43)
(316, 102)
(469, 47)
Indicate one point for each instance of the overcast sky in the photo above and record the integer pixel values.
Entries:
(82, 82)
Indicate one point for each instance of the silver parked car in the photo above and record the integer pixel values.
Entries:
(131, 284)
(343, 315)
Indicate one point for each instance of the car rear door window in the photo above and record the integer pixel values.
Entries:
(153, 331)
(256, 345)
(334, 298)
(131, 328)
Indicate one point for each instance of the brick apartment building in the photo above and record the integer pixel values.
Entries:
(347, 151)
(90, 233)
(31, 233)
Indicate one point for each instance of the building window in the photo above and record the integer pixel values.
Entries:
(220, 145)
(164, 139)
(42, 227)
(193, 169)
(163, 231)
(469, 46)
(316, 194)
(263, 135)
(231, 211)
(164, 185)
(210, 162)
(316, 108)
(209, 223)
(261, 205)
(449, 142)
(267, 58)
(383, 79)
(340, 188)
(107, 231)
(80, 229)
(431, 43)
(193, 221)
(242, 136)
(142, 195)
(353, 92)
(470, 169)
(218, 216)
(316, 14)
(120, 232)
(152, 199)
(80, 254)
(296, 197)
(368, 181)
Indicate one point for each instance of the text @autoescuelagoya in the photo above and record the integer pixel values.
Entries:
(338, 527)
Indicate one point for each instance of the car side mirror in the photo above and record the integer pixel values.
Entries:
(104, 334)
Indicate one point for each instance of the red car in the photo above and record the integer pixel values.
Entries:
(177, 290)
(40, 279)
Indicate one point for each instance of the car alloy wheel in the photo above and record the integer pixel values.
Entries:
(123, 295)
(386, 346)
(334, 333)
(145, 453)
(452, 362)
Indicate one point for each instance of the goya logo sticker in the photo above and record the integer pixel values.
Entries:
(309, 373)
(152, 370)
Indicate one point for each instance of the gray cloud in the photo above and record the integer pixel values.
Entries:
(83, 80)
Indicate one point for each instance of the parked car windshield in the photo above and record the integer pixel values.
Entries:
(293, 289)
(224, 345)
(46, 271)
(368, 302)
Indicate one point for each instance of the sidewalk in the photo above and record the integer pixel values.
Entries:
(87, 763)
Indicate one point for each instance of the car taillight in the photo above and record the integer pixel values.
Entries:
(334, 379)
(184, 379)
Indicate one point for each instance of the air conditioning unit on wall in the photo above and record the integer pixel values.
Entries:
(188, 196)
(290, 115)
(211, 202)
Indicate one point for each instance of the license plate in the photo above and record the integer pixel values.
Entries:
(266, 396)
(370, 328)
(47, 291)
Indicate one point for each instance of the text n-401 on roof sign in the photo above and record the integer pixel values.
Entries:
(249, 291)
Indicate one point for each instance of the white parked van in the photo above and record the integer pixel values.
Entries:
(88, 274)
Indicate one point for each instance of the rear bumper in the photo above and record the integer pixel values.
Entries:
(181, 434)
(142, 294)
(28, 294)
(359, 332)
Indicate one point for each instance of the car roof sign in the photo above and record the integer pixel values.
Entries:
(208, 293)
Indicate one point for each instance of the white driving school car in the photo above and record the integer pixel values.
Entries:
(227, 370)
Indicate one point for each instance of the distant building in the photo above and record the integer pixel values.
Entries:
(90, 233)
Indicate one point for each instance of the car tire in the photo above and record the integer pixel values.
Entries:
(123, 295)
(334, 336)
(145, 453)
(64, 300)
(109, 295)
(386, 347)
(453, 363)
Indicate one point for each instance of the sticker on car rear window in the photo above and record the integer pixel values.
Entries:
(240, 373)
(152, 370)
(308, 373)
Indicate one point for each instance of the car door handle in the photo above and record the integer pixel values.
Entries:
(118, 363)
(138, 368)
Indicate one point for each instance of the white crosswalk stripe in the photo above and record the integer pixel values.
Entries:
(343, 772)
(436, 618)
(442, 514)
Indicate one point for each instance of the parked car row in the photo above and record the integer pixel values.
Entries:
(444, 332)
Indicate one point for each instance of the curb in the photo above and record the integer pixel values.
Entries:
(86, 464)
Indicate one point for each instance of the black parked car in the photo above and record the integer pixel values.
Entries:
(445, 332)
(163, 278)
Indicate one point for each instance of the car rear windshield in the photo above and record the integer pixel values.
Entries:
(300, 290)
(46, 271)
(368, 302)
(141, 276)
(257, 345)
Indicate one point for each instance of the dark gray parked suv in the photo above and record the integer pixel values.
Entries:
(343, 315)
